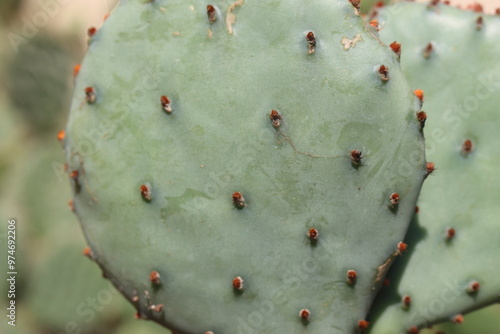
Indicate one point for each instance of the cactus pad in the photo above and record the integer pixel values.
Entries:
(452, 55)
(251, 166)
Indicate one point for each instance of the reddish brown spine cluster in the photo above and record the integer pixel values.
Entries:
(157, 308)
(374, 24)
(60, 135)
(450, 233)
(458, 319)
(393, 200)
(238, 283)
(74, 174)
(275, 118)
(166, 105)
(479, 23)
(421, 118)
(305, 314)
(90, 95)
(356, 157)
(406, 301)
(419, 94)
(396, 48)
(145, 192)
(211, 13)
(351, 276)
(87, 252)
(91, 32)
(428, 50)
(467, 147)
(355, 3)
(473, 287)
(311, 42)
(313, 234)
(363, 324)
(430, 167)
(154, 277)
(383, 71)
(238, 200)
(402, 247)
(76, 69)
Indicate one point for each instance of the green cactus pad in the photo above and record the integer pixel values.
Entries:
(484, 321)
(37, 78)
(187, 181)
(460, 77)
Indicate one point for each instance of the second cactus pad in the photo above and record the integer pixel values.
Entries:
(453, 268)
(244, 167)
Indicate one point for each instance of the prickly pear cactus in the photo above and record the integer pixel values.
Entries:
(452, 55)
(39, 89)
(244, 167)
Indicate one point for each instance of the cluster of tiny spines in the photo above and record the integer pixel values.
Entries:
(238, 284)
(396, 48)
(363, 325)
(421, 115)
(88, 253)
(356, 4)
(356, 157)
(166, 104)
(374, 24)
(146, 192)
(238, 200)
(406, 302)
(147, 302)
(211, 14)
(91, 33)
(154, 278)
(275, 118)
(467, 147)
(393, 201)
(430, 168)
(90, 95)
(74, 174)
(311, 42)
(305, 315)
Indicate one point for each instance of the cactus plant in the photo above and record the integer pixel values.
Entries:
(244, 166)
(452, 55)
(40, 89)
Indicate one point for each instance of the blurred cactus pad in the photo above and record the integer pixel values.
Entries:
(244, 167)
(40, 89)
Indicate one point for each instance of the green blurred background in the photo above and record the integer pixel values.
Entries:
(58, 290)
